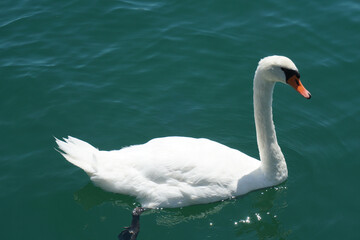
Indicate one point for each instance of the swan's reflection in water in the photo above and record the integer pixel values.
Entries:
(256, 213)
(262, 217)
(90, 196)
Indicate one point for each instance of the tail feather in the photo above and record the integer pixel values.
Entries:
(79, 153)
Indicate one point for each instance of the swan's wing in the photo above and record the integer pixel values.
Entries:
(174, 171)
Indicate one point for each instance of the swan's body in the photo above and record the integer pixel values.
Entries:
(181, 171)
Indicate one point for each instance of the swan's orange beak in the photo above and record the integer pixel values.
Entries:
(294, 81)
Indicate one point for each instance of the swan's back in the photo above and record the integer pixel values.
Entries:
(172, 171)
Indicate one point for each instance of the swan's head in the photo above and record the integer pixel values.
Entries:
(282, 69)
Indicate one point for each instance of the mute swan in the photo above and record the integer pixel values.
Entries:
(179, 171)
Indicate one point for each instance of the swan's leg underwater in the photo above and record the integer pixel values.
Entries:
(130, 233)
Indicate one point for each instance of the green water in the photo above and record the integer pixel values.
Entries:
(118, 73)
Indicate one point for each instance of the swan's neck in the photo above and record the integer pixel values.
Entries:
(273, 162)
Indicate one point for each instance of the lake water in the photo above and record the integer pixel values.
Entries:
(119, 73)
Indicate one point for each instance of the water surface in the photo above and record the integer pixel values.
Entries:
(118, 73)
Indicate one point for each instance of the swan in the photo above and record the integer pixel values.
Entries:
(172, 172)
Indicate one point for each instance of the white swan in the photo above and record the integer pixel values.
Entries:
(180, 171)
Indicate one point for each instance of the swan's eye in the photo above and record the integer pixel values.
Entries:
(290, 73)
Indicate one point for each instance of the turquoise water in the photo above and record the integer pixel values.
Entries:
(118, 73)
